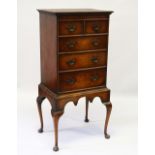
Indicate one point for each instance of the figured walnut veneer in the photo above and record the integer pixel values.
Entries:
(73, 52)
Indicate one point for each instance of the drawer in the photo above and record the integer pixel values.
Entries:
(83, 16)
(82, 79)
(96, 26)
(82, 60)
(82, 43)
(96, 15)
(70, 17)
(70, 27)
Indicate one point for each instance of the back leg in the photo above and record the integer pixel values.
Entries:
(86, 116)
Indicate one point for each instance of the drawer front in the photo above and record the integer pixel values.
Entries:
(83, 16)
(82, 43)
(70, 17)
(82, 60)
(70, 27)
(82, 79)
(98, 15)
(96, 26)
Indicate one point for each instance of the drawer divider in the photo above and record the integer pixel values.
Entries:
(82, 69)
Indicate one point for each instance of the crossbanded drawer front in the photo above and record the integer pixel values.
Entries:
(71, 27)
(82, 60)
(82, 79)
(100, 26)
(83, 16)
(82, 43)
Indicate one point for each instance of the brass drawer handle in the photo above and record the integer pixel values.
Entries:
(71, 62)
(70, 81)
(94, 59)
(96, 28)
(95, 43)
(71, 27)
(71, 44)
(94, 78)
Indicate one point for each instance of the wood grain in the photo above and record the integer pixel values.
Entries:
(73, 55)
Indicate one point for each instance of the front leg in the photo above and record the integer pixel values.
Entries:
(39, 102)
(108, 108)
(56, 116)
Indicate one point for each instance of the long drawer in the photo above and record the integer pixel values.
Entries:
(82, 60)
(82, 43)
(82, 79)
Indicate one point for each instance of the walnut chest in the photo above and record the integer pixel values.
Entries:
(74, 52)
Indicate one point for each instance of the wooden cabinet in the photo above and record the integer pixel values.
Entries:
(73, 52)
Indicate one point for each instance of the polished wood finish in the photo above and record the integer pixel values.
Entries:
(108, 108)
(82, 79)
(56, 118)
(83, 43)
(82, 60)
(39, 102)
(48, 48)
(70, 28)
(73, 54)
(100, 26)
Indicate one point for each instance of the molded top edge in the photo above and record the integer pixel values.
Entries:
(66, 11)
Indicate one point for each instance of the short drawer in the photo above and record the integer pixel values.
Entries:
(82, 60)
(96, 26)
(82, 43)
(70, 27)
(82, 79)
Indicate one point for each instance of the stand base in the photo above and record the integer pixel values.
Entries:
(58, 102)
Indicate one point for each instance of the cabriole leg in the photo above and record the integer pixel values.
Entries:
(108, 108)
(56, 116)
(39, 103)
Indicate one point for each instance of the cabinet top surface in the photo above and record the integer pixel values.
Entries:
(61, 11)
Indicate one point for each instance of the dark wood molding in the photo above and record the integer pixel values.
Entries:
(85, 51)
(83, 35)
(83, 69)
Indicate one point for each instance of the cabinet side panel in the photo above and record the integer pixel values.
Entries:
(48, 50)
(107, 45)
